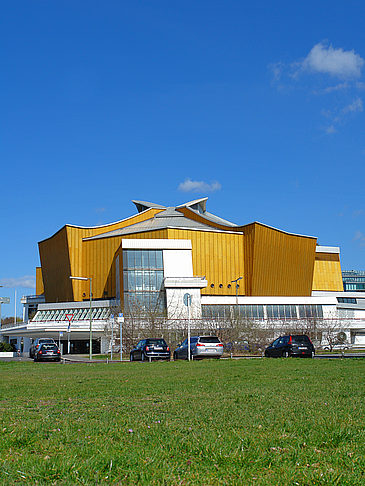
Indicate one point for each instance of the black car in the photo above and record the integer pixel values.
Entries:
(47, 352)
(148, 349)
(294, 345)
(36, 344)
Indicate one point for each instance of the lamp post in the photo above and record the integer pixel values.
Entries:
(237, 286)
(90, 314)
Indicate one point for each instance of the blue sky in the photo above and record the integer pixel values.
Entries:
(257, 106)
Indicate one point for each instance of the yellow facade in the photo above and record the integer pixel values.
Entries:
(327, 272)
(271, 262)
(65, 254)
(278, 263)
(39, 288)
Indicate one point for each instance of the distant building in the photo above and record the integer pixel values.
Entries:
(353, 281)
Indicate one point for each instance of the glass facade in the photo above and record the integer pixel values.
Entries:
(97, 313)
(245, 311)
(310, 311)
(142, 281)
(275, 311)
(281, 311)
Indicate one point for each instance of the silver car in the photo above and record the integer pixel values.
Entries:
(200, 347)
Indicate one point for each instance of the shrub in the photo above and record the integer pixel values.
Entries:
(6, 347)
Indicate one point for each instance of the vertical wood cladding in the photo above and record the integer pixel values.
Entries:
(327, 272)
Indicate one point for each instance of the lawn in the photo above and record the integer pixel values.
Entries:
(258, 421)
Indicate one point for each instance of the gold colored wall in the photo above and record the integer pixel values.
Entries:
(327, 272)
(217, 256)
(272, 262)
(56, 269)
(65, 254)
(39, 287)
(278, 263)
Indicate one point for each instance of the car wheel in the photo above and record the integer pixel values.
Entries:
(131, 357)
(285, 354)
(312, 354)
(175, 356)
(143, 357)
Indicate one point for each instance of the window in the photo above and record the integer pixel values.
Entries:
(310, 311)
(281, 311)
(143, 281)
(245, 311)
(346, 300)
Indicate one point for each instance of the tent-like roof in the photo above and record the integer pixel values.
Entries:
(170, 217)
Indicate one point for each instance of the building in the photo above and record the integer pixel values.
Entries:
(148, 262)
(353, 281)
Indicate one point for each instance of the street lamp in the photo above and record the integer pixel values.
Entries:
(90, 314)
(237, 286)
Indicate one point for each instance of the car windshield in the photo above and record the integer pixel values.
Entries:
(209, 339)
(156, 342)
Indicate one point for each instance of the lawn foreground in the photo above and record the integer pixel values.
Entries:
(258, 421)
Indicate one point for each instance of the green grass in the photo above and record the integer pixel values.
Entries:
(274, 422)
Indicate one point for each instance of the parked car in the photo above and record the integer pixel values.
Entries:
(36, 344)
(299, 346)
(146, 349)
(47, 352)
(337, 347)
(200, 347)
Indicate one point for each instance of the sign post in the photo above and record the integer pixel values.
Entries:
(60, 334)
(121, 320)
(112, 338)
(69, 317)
(187, 302)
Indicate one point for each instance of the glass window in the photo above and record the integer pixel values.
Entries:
(153, 263)
(159, 263)
(145, 259)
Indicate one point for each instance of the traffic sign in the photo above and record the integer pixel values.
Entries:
(187, 299)
(69, 317)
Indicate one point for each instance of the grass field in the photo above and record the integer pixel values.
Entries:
(259, 421)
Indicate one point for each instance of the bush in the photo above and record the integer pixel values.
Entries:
(6, 347)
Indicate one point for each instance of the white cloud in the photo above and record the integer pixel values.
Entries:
(198, 186)
(28, 281)
(335, 62)
(277, 70)
(331, 129)
(360, 237)
(331, 89)
(353, 107)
